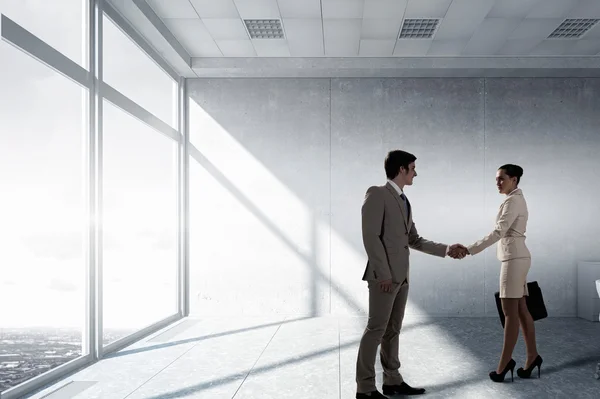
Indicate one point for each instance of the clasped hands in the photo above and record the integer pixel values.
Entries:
(458, 251)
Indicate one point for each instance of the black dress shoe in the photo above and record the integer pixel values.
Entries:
(402, 389)
(371, 395)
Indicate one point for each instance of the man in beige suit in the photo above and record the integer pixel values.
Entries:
(388, 232)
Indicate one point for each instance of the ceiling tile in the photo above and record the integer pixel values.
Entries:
(511, 8)
(412, 47)
(342, 37)
(380, 29)
(193, 36)
(452, 29)
(584, 47)
(462, 19)
(271, 47)
(215, 9)
(551, 47)
(304, 36)
(585, 9)
(376, 48)
(515, 47)
(469, 10)
(593, 33)
(552, 9)
(226, 29)
(535, 28)
(236, 48)
(384, 9)
(490, 36)
(447, 48)
(342, 9)
(300, 9)
(173, 8)
(427, 9)
(257, 9)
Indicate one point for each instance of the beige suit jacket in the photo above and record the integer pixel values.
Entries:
(388, 234)
(509, 231)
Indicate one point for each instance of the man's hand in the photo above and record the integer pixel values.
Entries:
(386, 285)
(458, 251)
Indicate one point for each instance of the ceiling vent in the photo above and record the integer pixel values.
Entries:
(264, 28)
(418, 28)
(573, 28)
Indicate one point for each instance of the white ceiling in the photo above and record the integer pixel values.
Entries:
(369, 28)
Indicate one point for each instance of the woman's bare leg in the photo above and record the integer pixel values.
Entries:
(510, 307)
(528, 328)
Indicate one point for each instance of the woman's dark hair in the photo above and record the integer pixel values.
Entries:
(512, 171)
(394, 160)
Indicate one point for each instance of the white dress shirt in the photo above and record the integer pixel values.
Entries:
(398, 189)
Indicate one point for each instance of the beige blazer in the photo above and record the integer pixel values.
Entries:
(388, 234)
(509, 232)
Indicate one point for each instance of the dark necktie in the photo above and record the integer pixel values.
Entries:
(406, 205)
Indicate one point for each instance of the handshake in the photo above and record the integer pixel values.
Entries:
(458, 251)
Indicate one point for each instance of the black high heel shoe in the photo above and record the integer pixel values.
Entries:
(500, 377)
(526, 373)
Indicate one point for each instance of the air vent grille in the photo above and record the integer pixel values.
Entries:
(418, 28)
(573, 28)
(264, 28)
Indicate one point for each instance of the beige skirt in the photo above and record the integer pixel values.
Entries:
(513, 278)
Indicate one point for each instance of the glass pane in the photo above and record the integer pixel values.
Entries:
(43, 218)
(129, 70)
(140, 225)
(61, 24)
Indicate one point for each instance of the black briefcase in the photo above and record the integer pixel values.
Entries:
(535, 303)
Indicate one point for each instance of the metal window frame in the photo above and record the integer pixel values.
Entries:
(14, 34)
(94, 126)
(130, 32)
(114, 96)
(184, 196)
(92, 336)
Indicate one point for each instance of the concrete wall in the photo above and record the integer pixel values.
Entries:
(280, 168)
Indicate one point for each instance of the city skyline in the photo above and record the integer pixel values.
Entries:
(28, 352)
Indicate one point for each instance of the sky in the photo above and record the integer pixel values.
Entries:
(42, 175)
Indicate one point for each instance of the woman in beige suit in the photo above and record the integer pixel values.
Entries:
(509, 232)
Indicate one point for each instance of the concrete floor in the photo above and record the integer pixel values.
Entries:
(315, 358)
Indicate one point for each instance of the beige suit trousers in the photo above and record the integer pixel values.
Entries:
(386, 312)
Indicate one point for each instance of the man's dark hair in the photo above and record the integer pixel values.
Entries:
(394, 160)
(512, 171)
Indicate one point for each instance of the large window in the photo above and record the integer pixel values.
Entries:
(61, 24)
(129, 70)
(43, 219)
(140, 225)
(61, 159)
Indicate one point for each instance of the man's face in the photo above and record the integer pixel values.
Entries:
(408, 175)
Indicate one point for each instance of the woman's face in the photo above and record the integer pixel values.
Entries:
(504, 182)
